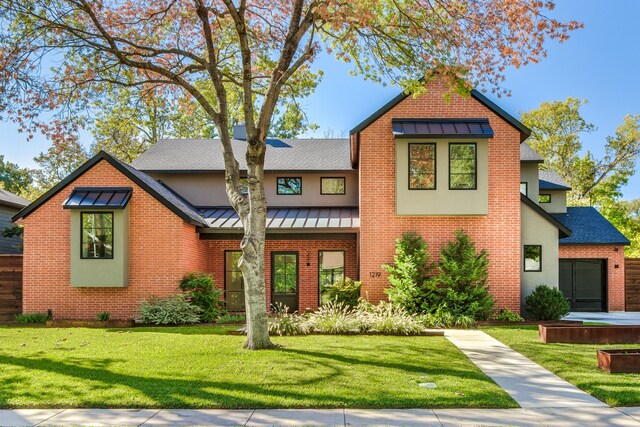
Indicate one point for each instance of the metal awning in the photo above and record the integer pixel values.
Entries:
(98, 197)
(442, 128)
(287, 218)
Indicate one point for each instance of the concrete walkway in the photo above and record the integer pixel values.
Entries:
(615, 318)
(599, 416)
(527, 383)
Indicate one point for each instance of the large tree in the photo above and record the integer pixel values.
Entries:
(262, 48)
(13, 178)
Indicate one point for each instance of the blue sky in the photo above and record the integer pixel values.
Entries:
(599, 63)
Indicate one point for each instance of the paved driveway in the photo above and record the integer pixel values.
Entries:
(615, 318)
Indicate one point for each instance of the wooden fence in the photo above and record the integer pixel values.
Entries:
(10, 286)
(632, 287)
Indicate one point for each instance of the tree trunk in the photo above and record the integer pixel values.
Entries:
(252, 262)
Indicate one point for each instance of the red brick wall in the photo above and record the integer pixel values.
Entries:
(498, 232)
(307, 252)
(162, 248)
(615, 276)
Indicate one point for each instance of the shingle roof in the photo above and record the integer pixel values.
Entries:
(528, 154)
(589, 227)
(550, 180)
(181, 155)
(287, 218)
(7, 198)
(438, 128)
(162, 193)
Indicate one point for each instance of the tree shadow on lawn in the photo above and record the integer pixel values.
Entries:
(192, 393)
(183, 330)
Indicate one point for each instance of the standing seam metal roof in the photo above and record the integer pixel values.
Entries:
(287, 218)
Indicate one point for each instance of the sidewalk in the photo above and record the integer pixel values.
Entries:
(597, 416)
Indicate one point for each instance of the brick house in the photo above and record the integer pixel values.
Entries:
(112, 234)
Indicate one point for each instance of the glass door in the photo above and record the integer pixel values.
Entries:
(284, 279)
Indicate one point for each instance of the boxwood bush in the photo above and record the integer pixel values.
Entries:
(546, 303)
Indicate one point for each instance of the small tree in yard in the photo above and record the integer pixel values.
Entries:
(59, 56)
(463, 278)
(409, 275)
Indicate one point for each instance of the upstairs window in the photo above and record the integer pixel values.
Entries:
(422, 166)
(289, 186)
(532, 258)
(463, 166)
(545, 198)
(332, 185)
(97, 235)
(524, 188)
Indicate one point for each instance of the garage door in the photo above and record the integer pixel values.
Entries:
(584, 283)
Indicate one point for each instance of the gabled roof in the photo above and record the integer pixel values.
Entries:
(524, 131)
(529, 155)
(441, 128)
(205, 155)
(589, 228)
(7, 198)
(564, 231)
(551, 180)
(161, 193)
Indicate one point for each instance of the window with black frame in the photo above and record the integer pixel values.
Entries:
(97, 235)
(532, 258)
(462, 166)
(331, 269)
(422, 166)
(289, 186)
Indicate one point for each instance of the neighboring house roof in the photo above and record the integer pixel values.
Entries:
(205, 155)
(550, 180)
(529, 155)
(160, 192)
(524, 131)
(442, 128)
(7, 198)
(562, 228)
(589, 228)
(287, 218)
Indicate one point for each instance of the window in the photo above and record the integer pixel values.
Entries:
(545, 198)
(332, 186)
(244, 186)
(285, 273)
(462, 166)
(289, 186)
(331, 269)
(524, 188)
(97, 235)
(422, 166)
(532, 258)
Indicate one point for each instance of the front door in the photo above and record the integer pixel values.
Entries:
(583, 283)
(233, 282)
(284, 279)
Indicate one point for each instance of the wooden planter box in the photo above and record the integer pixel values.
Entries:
(89, 324)
(619, 361)
(596, 334)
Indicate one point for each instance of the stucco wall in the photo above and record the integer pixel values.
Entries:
(558, 201)
(498, 232)
(615, 265)
(529, 174)
(207, 189)
(442, 200)
(538, 231)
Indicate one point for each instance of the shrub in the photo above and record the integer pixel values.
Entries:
(409, 275)
(32, 317)
(345, 291)
(285, 323)
(462, 279)
(231, 318)
(103, 316)
(174, 310)
(442, 318)
(199, 289)
(507, 315)
(546, 303)
(334, 318)
(387, 318)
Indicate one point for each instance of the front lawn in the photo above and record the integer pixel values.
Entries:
(202, 367)
(576, 363)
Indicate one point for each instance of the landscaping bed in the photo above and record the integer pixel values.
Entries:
(203, 367)
(590, 334)
(576, 363)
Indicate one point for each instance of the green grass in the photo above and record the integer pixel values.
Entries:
(202, 367)
(576, 363)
